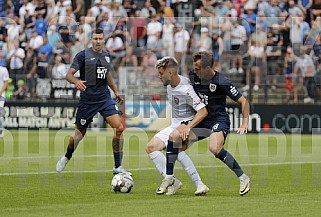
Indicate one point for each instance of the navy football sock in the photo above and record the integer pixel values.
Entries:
(70, 151)
(118, 151)
(229, 160)
(118, 156)
(171, 157)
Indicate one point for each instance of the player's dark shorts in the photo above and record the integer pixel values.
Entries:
(86, 112)
(206, 127)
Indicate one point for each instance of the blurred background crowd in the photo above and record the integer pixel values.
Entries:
(267, 47)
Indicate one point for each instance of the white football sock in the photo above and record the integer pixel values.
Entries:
(159, 160)
(189, 167)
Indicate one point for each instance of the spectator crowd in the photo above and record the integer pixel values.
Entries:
(262, 41)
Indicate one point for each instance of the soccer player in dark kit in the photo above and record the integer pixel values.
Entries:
(94, 65)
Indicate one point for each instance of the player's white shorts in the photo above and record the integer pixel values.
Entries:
(164, 135)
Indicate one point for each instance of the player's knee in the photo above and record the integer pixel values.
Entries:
(150, 147)
(174, 136)
(214, 149)
(120, 129)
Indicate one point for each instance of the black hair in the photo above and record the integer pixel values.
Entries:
(206, 58)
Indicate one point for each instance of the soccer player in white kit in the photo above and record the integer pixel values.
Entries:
(187, 111)
(4, 77)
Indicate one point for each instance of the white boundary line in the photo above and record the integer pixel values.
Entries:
(152, 168)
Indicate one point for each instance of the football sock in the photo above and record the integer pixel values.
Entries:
(189, 167)
(118, 156)
(171, 157)
(70, 151)
(229, 160)
(159, 160)
(118, 151)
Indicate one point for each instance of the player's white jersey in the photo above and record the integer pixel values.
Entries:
(4, 76)
(184, 102)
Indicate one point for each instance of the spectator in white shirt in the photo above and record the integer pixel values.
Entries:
(181, 39)
(59, 70)
(16, 57)
(154, 29)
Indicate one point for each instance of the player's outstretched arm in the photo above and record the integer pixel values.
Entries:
(112, 85)
(245, 113)
(70, 77)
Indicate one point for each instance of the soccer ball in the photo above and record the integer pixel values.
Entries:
(122, 182)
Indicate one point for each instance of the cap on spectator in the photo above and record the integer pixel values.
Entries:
(178, 25)
(1, 43)
(118, 1)
(204, 29)
(219, 1)
(97, 1)
(20, 82)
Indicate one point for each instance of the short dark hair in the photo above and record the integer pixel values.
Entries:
(206, 58)
(98, 31)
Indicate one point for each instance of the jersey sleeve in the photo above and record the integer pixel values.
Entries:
(233, 92)
(78, 61)
(195, 101)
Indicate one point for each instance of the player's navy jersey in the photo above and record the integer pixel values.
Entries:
(213, 93)
(93, 68)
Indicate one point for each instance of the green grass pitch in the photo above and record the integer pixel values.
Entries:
(285, 172)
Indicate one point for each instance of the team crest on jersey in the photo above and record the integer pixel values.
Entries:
(107, 59)
(212, 87)
(82, 121)
(176, 100)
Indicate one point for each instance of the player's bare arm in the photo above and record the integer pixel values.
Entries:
(4, 87)
(185, 129)
(245, 113)
(70, 77)
(112, 85)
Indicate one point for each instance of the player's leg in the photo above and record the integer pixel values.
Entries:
(215, 143)
(154, 150)
(84, 117)
(118, 142)
(1, 116)
(174, 145)
(74, 140)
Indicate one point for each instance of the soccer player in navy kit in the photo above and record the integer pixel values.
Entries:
(94, 65)
(213, 87)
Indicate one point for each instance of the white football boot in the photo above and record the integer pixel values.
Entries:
(165, 184)
(201, 190)
(244, 184)
(61, 164)
(119, 169)
(172, 189)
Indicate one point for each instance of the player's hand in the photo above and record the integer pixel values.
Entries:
(80, 85)
(241, 130)
(119, 98)
(183, 131)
